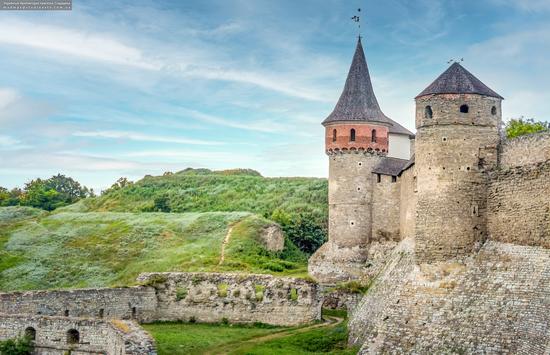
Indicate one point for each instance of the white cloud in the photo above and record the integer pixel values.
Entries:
(136, 136)
(526, 5)
(73, 42)
(8, 143)
(257, 125)
(7, 97)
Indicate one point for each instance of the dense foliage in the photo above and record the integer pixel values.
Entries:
(299, 204)
(57, 191)
(17, 346)
(519, 127)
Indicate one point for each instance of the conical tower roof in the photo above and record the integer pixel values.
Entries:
(457, 80)
(357, 101)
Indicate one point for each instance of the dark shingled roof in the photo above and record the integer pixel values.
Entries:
(357, 101)
(408, 165)
(457, 80)
(390, 166)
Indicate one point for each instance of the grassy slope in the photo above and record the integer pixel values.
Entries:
(71, 249)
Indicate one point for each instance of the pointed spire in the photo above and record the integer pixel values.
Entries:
(457, 80)
(357, 101)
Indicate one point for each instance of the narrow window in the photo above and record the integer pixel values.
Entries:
(66, 313)
(493, 110)
(373, 136)
(464, 109)
(30, 333)
(352, 135)
(378, 178)
(101, 312)
(334, 135)
(134, 312)
(428, 113)
(394, 179)
(73, 336)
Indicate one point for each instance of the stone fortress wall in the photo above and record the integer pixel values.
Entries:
(58, 335)
(202, 297)
(519, 190)
(237, 298)
(139, 303)
(496, 302)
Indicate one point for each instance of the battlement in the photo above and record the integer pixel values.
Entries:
(360, 137)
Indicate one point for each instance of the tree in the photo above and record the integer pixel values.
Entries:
(518, 127)
(302, 229)
(119, 184)
(17, 346)
(69, 189)
(37, 194)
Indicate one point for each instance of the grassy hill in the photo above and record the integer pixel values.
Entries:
(40, 250)
(203, 190)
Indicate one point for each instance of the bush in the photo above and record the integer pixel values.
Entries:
(518, 127)
(17, 346)
(181, 293)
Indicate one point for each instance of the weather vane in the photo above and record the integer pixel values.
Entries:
(455, 60)
(357, 20)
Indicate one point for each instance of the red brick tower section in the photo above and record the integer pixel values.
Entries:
(356, 138)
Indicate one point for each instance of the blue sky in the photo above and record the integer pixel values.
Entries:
(143, 87)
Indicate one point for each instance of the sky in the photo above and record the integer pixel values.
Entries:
(130, 88)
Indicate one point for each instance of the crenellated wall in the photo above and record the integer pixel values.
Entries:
(213, 297)
(138, 303)
(524, 150)
(95, 336)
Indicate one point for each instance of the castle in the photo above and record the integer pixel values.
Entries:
(386, 184)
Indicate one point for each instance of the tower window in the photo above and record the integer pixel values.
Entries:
(493, 110)
(73, 336)
(30, 333)
(352, 135)
(428, 113)
(334, 135)
(378, 178)
(373, 136)
(394, 179)
(464, 108)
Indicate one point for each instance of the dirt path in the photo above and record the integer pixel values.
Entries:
(230, 347)
(225, 242)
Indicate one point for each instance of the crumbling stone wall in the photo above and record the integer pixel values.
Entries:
(138, 303)
(385, 208)
(494, 303)
(453, 150)
(408, 200)
(519, 205)
(213, 297)
(95, 336)
(525, 150)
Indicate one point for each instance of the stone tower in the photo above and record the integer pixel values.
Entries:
(356, 138)
(458, 120)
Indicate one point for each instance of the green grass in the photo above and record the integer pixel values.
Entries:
(96, 249)
(329, 340)
(187, 338)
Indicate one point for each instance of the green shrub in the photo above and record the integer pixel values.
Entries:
(181, 293)
(17, 346)
(259, 292)
(222, 290)
(293, 296)
(518, 127)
